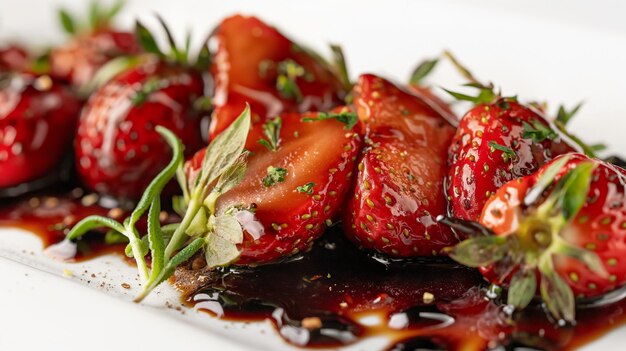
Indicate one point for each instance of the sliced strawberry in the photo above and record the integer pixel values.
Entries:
(319, 158)
(399, 187)
(565, 224)
(37, 121)
(118, 151)
(256, 64)
(494, 143)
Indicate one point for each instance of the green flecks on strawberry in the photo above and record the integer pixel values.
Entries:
(271, 130)
(306, 188)
(274, 175)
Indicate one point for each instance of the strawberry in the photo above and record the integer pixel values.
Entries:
(497, 140)
(13, 58)
(256, 64)
(243, 207)
(37, 121)
(117, 148)
(559, 231)
(90, 48)
(399, 186)
(318, 160)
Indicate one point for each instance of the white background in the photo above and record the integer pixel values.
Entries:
(556, 51)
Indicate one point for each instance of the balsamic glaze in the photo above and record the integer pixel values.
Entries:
(320, 298)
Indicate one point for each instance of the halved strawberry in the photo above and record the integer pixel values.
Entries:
(312, 163)
(497, 140)
(90, 48)
(37, 121)
(118, 150)
(559, 231)
(399, 187)
(256, 64)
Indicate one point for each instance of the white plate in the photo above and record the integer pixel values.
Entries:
(562, 53)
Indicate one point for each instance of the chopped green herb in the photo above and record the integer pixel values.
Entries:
(538, 131)
(346, 117)
(507, 152)
(271, 129)
(274, 175)
(306, 188)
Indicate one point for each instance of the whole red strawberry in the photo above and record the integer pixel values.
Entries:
(399, 186)
(90, 48)
(37, 122)
(256, 64)
(497, 140)
(118, 150)
(559, 231)
(297, 175)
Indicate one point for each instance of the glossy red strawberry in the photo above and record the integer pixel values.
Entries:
(496, 141)
(90, 48)
(399, 186)
(559, 231)
(256, 64)
(37, 122)
(118, 151)
(312, 165)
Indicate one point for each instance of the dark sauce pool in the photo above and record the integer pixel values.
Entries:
(336, 295)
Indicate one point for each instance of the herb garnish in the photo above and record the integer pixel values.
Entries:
(348, 118)
(271, 129)
(274, 175)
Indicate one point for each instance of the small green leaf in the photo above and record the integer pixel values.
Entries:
(274, 175)
(225, 149)
(289, 71)
(480, 251)
(175, 52)
(306, 188)
(350, 119)
(565, 116)
(576, 189)
(219, 251)
(339, 64)
(146, 40)
(422, 70)
(538, 132)
(555, 292)
(67, 22)
(507, 152)
(228, 228)
(271, 130)
(522, 288)
(485, 96)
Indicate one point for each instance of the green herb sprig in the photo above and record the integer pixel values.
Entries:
(201, 227)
